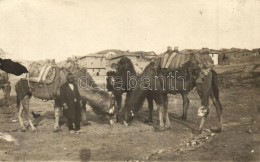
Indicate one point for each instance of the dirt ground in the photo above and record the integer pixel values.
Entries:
(240, 140)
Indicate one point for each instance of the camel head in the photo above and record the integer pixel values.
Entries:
(101, 102)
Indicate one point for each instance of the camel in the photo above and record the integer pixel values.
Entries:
(50, 90)
(125, 69)
(153, 81)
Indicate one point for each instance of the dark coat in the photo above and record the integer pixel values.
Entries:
(72, 99)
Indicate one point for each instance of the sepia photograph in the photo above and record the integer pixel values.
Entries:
(130, 81)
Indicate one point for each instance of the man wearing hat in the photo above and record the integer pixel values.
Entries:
(71, 102)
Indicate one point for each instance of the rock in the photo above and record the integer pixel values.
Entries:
(252, 151)
(160, 151)
(8, 137)
(182, 149)
(193, 143)
(188, 144)
(14, 121)
(206, 138)
(212, 134)
(250, 131)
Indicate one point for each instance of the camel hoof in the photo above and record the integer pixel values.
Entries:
(168, 128)
(23, 129)
(56, 130)
(117, 120)
(34, 129)
(197, 132)
(148, 121)
(86, 123)
(216, 130)
(159, 129)
(184, 118)
(125, 123)
(112, 122)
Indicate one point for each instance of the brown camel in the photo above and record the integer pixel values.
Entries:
(156, 82)
(50, 90)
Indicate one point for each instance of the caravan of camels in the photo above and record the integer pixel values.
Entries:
(173, 72)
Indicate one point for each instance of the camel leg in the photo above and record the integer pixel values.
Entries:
(168, 123)
(202, 122)
(159, 103)
(84, 120)
(166, 115)
(161, 115)
(57, 118)
(25, 103)
(30, 122)
(150, 106)
(216, 101)
(219, 110)
(83, 116)
(118, 98)
(204, 91)
(7, 90)
(186, 104)
(20, 112)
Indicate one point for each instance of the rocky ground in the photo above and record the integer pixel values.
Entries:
(239, 94)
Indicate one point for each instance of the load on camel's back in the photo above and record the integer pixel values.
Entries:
(45, 84)
(199, 58)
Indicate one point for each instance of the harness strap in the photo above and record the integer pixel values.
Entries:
(28, 82)
(44, 75)
(44, 83)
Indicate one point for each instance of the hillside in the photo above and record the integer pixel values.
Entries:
(246, 75)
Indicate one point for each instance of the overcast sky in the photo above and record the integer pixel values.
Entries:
(40, 29)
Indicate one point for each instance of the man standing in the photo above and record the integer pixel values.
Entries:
(71, 101)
